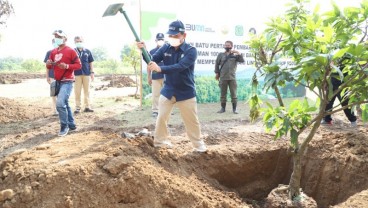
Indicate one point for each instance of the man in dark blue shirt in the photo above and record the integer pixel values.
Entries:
(156, 80)
(179, 59)
(50, 77)
(83, 76)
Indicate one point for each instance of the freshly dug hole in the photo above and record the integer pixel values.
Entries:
(334, 168)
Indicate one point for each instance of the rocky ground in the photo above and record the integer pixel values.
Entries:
(99, 166)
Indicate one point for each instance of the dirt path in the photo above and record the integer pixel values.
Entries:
(97, 167)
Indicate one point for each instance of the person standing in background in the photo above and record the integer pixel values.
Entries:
(50, 77)
(156, 80)
(225, 69)
(344, 99)
(83, 76)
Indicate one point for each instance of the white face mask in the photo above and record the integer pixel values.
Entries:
(79, 45)
(55, 45)
(174, 41)
(160, 43)
(58, 41)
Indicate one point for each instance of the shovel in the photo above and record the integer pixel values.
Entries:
(115, 8)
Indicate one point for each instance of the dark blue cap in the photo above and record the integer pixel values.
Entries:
(176, 27)
(160, 36)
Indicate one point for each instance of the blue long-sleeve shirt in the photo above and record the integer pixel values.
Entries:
(178, 69)
(156, 76)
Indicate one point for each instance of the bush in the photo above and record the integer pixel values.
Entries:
(111, 66)
(10, 63)
(33, 65)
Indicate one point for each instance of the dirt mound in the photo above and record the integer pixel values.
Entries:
(14, 111)
(119, 81)
(128, 173)
(99, 168)
(14, 78)
(358, 200)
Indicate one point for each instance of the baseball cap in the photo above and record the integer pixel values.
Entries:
(176, 27)
(59, 33)
(160, 36)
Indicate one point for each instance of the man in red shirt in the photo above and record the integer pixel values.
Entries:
(64, 60)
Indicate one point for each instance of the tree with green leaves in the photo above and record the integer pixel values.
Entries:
(131, 56)
(6, 9)
(10, 63)
(314, 43)
(99, 54)
(125, 51)
(33, 65)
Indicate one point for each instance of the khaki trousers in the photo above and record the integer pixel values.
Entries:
(188, 112)
(82, 81)
(157, 85)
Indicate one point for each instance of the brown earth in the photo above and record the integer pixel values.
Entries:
(119, 81)
(114, 80)
(13, 78)
(97, 166)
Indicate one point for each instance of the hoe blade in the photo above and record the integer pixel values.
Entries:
(113, 9)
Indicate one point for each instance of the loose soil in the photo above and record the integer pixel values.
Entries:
(99, 166)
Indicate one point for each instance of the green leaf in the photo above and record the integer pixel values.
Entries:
(269, 81)
(305, 103)
(294, 137)
(328, 33)
(316, 75)
(318, 102)
(310, 24)
(362, 63)
(316, 9)
(359, 49)
(274, 67)
(308, 59)
(285, 28)
(364, 112)
(340, 53)
(269, 105)
(351, 12)
(294, 105)
(311, 109)
(337, 11)
(322, 59)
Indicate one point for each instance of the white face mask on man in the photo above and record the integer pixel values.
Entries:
(160, 43)
(174, 41)
(58, 41)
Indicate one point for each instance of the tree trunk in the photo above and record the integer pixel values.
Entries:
(278, 95)
(294, 184)
(136, 81)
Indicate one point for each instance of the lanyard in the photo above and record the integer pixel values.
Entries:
(80, 53)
